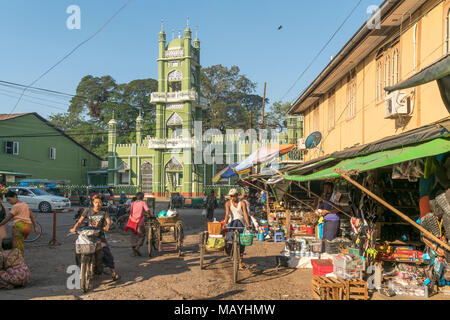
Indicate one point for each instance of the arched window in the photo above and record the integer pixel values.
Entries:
(387, 72)
(379, 81)
(447, 40)
(395, 67)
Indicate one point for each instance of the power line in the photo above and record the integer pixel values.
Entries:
(321, 50)
(14, 85)
(70, 53)
(33, 97)
(46, 105)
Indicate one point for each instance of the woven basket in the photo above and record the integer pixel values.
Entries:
(163, 220)
(214, 228)
(246, 239)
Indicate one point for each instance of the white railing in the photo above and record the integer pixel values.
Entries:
(174, 53)
(168, 97)
(173, 143)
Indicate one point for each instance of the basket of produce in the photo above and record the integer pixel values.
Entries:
(166, 220)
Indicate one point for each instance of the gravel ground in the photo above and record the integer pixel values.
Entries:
(164, 276)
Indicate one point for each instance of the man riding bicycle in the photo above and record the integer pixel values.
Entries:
(236, 216)
(96, 218)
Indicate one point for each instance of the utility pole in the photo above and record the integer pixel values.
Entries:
(262, 122)
(264, 101)
(251, 136)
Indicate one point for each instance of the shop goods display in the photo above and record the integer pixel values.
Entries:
(407, 254)
(333, 246)
(310, 219)
(348, 267)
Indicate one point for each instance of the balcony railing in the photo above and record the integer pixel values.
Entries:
(168, 97)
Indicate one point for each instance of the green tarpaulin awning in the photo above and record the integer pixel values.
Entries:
(379, 160)
(13, 173)
(439, 71)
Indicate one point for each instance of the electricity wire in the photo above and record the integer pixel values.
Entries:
(70, 53)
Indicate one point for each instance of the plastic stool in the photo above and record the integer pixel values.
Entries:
(278, 237)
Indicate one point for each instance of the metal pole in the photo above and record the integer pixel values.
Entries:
(54, 242)
(309, 206)
(396, 211)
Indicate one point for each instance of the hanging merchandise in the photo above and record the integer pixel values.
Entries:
(410, 170)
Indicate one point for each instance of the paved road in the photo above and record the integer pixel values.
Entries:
(163, 276)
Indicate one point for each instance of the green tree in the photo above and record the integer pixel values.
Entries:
(232, 97)
(97, 99)
(276, 116)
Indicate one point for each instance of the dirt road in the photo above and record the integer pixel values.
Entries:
(164, 276)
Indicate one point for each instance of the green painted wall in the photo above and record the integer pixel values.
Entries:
(34, 152)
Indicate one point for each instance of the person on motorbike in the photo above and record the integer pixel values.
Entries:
(97, 218)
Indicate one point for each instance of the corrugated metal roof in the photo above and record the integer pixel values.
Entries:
(4, 116)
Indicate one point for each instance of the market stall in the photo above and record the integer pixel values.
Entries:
(390, 228)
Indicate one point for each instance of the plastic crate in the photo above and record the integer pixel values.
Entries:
(322, 267)
(354, 252)
(348, 273)
(343, 263)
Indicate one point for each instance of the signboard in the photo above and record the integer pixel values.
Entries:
(23, 184)
(10, 179)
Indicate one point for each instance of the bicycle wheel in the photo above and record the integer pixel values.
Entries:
(236, 256)
(179, 237)
(157, 238)
(33, 236)
(202, 244)
(150, 241)
(122, 223)
(113, 225)
(85, 270)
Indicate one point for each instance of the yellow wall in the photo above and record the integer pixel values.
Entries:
(368, 123)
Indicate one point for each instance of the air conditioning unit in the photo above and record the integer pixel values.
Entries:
(301, 144)
(398, 103)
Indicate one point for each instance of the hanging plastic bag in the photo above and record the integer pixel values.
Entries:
(171, 213)
(162, 214)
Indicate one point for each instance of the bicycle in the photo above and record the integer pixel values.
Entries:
(88, 255)
(33, 236)
(235, 251)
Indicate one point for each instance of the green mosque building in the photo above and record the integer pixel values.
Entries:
(164, 163)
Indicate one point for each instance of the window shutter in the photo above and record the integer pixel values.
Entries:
(15, 148)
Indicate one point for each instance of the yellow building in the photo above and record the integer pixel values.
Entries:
(347, 102)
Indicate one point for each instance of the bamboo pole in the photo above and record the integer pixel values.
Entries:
(302, 202)
(396, 211)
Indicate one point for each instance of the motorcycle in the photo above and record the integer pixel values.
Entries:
(88, 255)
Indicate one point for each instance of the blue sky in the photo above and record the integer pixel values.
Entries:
(33, 36)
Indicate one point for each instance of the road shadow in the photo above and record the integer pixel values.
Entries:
(263, 269)
(225, 295)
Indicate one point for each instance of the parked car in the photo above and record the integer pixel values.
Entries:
(38, 199)
(54, 191)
